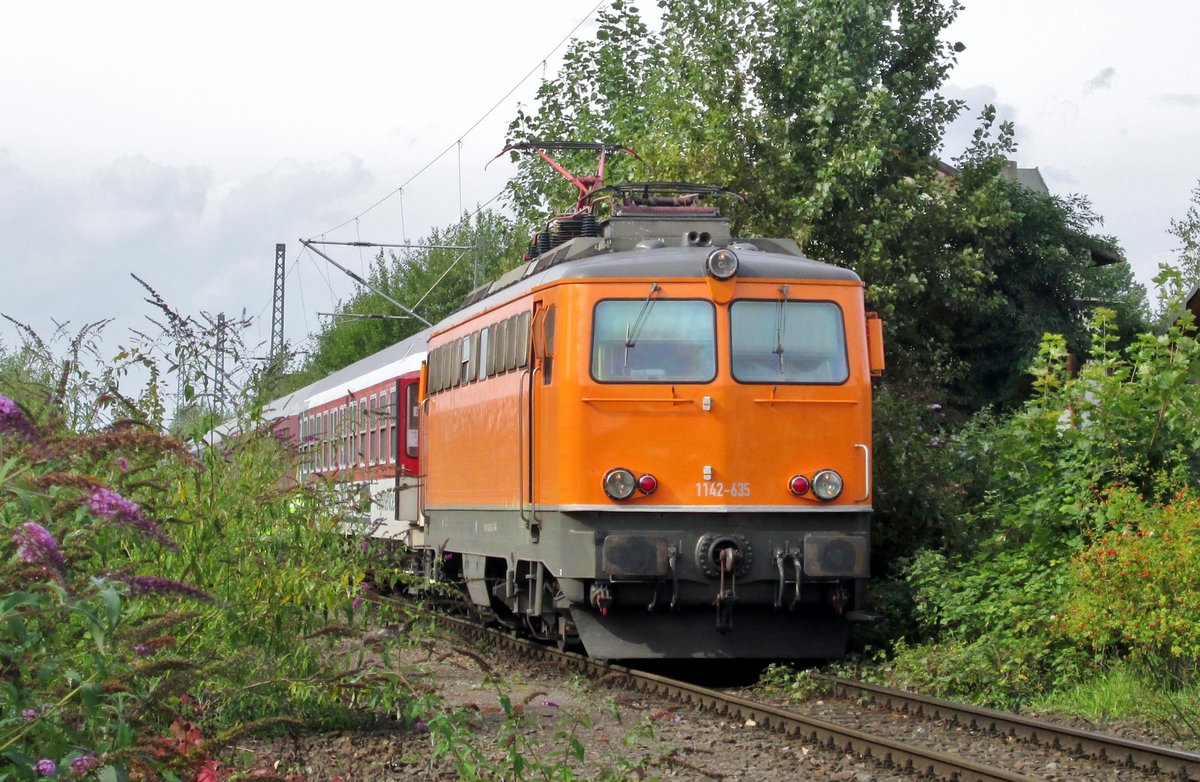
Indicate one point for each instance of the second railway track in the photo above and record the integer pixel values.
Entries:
(1114, 757)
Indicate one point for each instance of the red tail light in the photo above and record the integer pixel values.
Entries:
(647, 484)
(798, 485)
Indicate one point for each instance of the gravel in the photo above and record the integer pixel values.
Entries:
(621, 734)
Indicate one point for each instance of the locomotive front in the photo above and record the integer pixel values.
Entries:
(689, 421)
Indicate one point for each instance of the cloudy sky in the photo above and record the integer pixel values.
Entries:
(181, 146)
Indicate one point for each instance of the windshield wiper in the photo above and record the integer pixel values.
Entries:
(781, 324)
(634, 330)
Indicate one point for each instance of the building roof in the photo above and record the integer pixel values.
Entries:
(1030, 177)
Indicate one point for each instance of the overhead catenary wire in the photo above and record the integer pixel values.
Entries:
(458, 142)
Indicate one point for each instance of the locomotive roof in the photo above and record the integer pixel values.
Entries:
(655, 260)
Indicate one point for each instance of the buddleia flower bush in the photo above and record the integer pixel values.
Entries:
(160, 596)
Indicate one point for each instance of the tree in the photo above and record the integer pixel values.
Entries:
(828, 115)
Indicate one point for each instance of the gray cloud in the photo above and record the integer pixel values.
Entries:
(204, 245)
(1101, 81)
(1186, 99)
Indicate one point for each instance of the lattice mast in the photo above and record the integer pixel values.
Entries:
(276, 354)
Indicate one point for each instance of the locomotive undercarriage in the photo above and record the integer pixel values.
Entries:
(670, 585)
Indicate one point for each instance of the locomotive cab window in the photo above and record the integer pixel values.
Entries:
(654, 341)
(785, 341)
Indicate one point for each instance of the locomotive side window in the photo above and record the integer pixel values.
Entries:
(501, 346)
(483, 354)
(788, 342)
(464, 368)
(654, 341)
(521, 339)
(493, 347)
(473, 363)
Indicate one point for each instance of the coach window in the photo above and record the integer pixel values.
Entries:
(302, 447)
(362, 433)
(372, 437)
(654, 341)
(324, 433)
(464, 367)
(784, 341)
(386, 424)
(339, 451)
(341, 436)
(327, 441)
(414, 410)
(394, 432)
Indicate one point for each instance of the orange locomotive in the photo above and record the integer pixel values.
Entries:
(654, 439)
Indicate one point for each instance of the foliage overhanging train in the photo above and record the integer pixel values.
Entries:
(650, 438)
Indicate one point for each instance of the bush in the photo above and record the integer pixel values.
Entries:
(1046, 579)
(160, 597)
(1135, 583)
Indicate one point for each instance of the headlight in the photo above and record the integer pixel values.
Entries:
(619, 483)
(721, 264)
(827, 485)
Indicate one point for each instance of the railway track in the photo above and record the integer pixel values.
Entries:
(1172, 763)
(890, 753)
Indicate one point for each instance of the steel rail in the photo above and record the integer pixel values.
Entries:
(887, 752)
(1179, 764)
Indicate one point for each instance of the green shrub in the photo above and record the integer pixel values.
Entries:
(1135, 583)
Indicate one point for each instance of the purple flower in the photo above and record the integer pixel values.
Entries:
(358, 600)
(107, 504)
(152, 585)
(551, 704)
(13, 419)
(122, 464)
(29, 715)
(420, 725)
(935, 407)
(141, 649)
(46, 767)
(36, 545)
(84, 763)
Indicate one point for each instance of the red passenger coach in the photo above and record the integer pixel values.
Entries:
(359, 427)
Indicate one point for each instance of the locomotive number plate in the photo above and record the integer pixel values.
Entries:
(719, 489)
